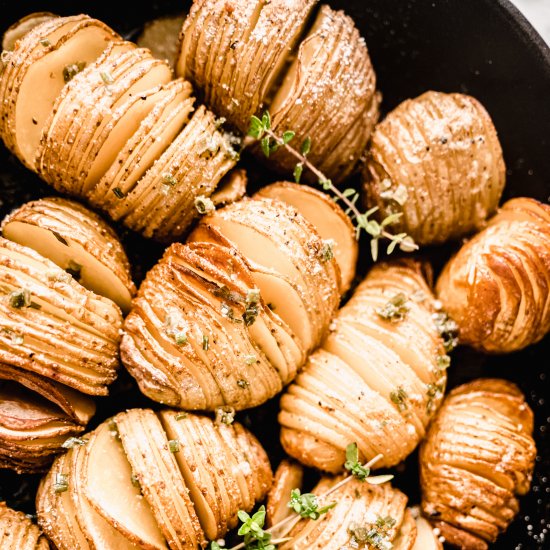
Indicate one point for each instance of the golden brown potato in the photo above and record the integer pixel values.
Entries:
(152, 480)
(17, 531)
(77, 240)
(478, 457)
(497, 286)
(292, 266)
(437, 160)
(53, 326)
(46, 54)
(377, 380)
(234, 51)
(365, 516)
(329, 94)
(37, 417)
(201, 335)
(328, 219)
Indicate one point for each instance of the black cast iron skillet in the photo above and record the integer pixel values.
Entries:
(481, 47)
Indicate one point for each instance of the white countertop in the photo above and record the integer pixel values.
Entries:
(538, 13)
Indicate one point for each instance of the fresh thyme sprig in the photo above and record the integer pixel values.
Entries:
(304, 506)
(260, 129)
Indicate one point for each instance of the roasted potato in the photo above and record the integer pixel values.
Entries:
(42, 60)
(37, 417)
(201, 335)
(235, 51)
(288, 476)
(53, 326)
(437, 160)
(377, 379)
(477, 459)
(17, 531)
(20, 28)
(152, 480)
(497, 286)
(365, 516)
(294, 269)
(77, 240)
(328, 94)
(327, 217)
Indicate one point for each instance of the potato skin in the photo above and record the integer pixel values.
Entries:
(18, 531)
(496, 287)
(478, 457)
(437, 159)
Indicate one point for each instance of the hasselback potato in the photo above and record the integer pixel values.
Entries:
(152, 480)
(111, 126)
(377, 379)
(437, 160)
(497, 285)
(316, 78)
(18, 531)
(37, 417)
(477, 459)
(77, 240)
(51, 325)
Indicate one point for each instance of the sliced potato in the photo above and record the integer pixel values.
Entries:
(361, 510)
(327, 217)
(51, 325)
(197, 343)
(496, 287)
(329, 94)
(109, 486)
(83, 44)
(154, 464)
(273, 236)
(161, 37)
(221, 488)
(162, 205)
(437, 160)
(384, 404)
(238, 51)
(288, 476)
(75, 238)
(469, 487)
(156, 132)
(426, 538)
(20, 28)
(18, 531)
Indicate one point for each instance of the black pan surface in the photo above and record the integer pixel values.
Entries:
(481, 47)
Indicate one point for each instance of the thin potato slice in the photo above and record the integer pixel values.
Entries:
(426, 538)
(238, 52)
(109, 485)
(378, 379)
(497, 285)
(231, 188)
(437, 160)
(288, 476)
(20, 28)
(157, 130)
(83, 44)
(152, 458)
(18, 531)
(327, 217)
(75, 238)
(329, 94)
(53, 326)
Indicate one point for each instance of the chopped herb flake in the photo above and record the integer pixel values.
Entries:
(181, 416)
(250, 359)
(398, 397)
(225, 415)
(19, 299)
(74, 442)
(204, 205)
(205, 342)
(118, 193)
(70, 71)
(174, 445)
(61, 483)
(242, 383)
(447, 329)
(395, 309)
(74, 269)
(106, 77)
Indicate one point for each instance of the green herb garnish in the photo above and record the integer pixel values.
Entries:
(61, 483)
(448, 330)
(204, 205)
(352, 463)
(395, 309)
(307, 506)
(398, 397)
(19, 299)
(174, 445)
(70, 71)
(74, 442)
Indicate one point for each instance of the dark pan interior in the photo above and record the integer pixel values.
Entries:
(481, 47)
